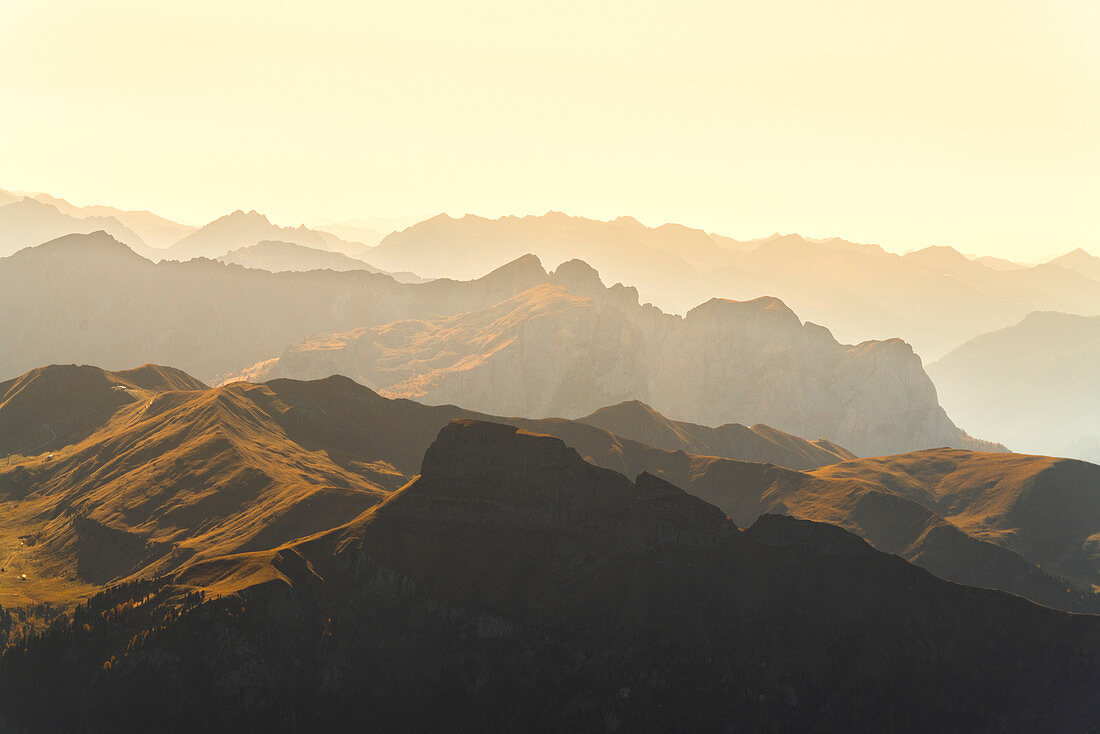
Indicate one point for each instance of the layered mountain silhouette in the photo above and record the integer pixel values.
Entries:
(513, 585)
(244, 229)
(637, 421)
(155, 231)
(145, 472)
(1037, 382)
(935, 299)
(517, 341)
(280, 257)
(90, 299)
(28, 222)
(1080, 261)
(570, 346)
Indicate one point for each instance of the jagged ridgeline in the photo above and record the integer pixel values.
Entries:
(519, 341)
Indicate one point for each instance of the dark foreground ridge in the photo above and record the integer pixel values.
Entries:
(515, 587)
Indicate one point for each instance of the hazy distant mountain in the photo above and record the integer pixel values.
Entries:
(510, 576)
(27, 222)
(569, 346)
(623, 251)
(155, 231)
(353, 233)
(90, 299)
(935, 298)
(1081, 262)
(244, 229)
(1036, 384)
(278, 257)
(997, 263)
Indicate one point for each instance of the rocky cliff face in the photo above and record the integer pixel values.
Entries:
(570, 346)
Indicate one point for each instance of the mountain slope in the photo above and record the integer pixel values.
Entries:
(282, 256)
(571, 346)
(244, 229)
(637, 421)
(89, 299)
(27, 223)
(55, 406)
(934, 299)
(155, 231)
(158, 456)
(1080, 261)
(514, 586)
(1037, 383)
(278, 257)
(466, 247)
(163, 472)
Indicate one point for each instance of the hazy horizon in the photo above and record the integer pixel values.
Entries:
(905, 125)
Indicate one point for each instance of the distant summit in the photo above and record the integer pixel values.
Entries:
(1080, 261)
(244, 229)
(28, 222)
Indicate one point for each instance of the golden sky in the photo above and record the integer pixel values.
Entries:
(974, 123)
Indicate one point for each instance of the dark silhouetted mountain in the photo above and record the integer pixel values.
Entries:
(955, 513)
(513, 586)
(1037, 384)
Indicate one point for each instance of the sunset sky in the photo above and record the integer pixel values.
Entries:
(974, 124)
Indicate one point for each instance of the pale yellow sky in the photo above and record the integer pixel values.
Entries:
(974, 123)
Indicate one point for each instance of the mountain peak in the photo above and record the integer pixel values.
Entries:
(940, 255)
(526, 268)
(537, 481)
(239, 215)
(579, 278)
(479, 451)
(96, 244)
(762, 307)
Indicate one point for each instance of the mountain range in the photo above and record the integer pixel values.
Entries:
(513, 583)
(90, 299)
(282, 257)
(570, 345)
(119, 476)
(244, 229)
(1037, 383)
(935, 298)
